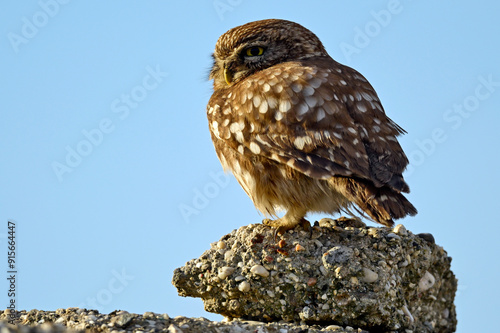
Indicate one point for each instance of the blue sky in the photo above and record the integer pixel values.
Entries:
(110, 174)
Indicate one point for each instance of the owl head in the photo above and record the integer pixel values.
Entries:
(249, 48)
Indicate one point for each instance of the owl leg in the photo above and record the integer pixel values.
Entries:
(291, 219)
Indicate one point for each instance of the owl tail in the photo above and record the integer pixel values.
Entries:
(382, 204)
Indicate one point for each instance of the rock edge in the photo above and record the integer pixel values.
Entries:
(83, 320)
(343, 273)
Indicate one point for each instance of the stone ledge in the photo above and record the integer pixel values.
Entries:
(343, 273)
(82, 320)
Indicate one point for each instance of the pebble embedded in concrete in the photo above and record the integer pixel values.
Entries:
(426, 282)
(224, 272)
(369, 276)
(244, 287)
(259, 270)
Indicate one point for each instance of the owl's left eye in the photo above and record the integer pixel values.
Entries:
(254, 51)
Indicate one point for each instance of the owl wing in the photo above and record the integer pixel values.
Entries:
(316, 116)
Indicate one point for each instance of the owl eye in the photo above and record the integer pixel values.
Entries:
(254, 51)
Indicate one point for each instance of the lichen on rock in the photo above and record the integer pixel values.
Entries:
(340, 273)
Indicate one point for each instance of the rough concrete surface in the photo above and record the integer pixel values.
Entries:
(81, 320)
(340, 273)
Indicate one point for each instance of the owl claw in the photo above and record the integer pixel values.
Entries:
(278, 232)
(280, 228)
(307, 227)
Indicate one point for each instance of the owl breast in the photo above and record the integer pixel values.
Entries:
(274, 187)
(257, 123)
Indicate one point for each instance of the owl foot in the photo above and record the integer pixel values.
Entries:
(282, 225)
(354, 222)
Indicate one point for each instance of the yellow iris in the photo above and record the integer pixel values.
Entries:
(254, 51)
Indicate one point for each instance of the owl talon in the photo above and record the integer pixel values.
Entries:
(277, 229)
(307, 227)
(354, 222)
(278, 232)
(280, 227)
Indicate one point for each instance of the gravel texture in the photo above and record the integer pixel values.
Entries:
(342, 273)
(80, 320)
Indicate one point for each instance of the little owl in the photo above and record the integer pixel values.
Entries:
(300, 131)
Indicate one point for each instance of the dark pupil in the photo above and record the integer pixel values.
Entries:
(254, 51)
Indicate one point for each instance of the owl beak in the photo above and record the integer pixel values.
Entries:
(228, 76)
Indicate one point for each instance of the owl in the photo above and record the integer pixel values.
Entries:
(301, 132)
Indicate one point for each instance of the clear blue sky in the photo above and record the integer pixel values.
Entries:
(108, 167)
